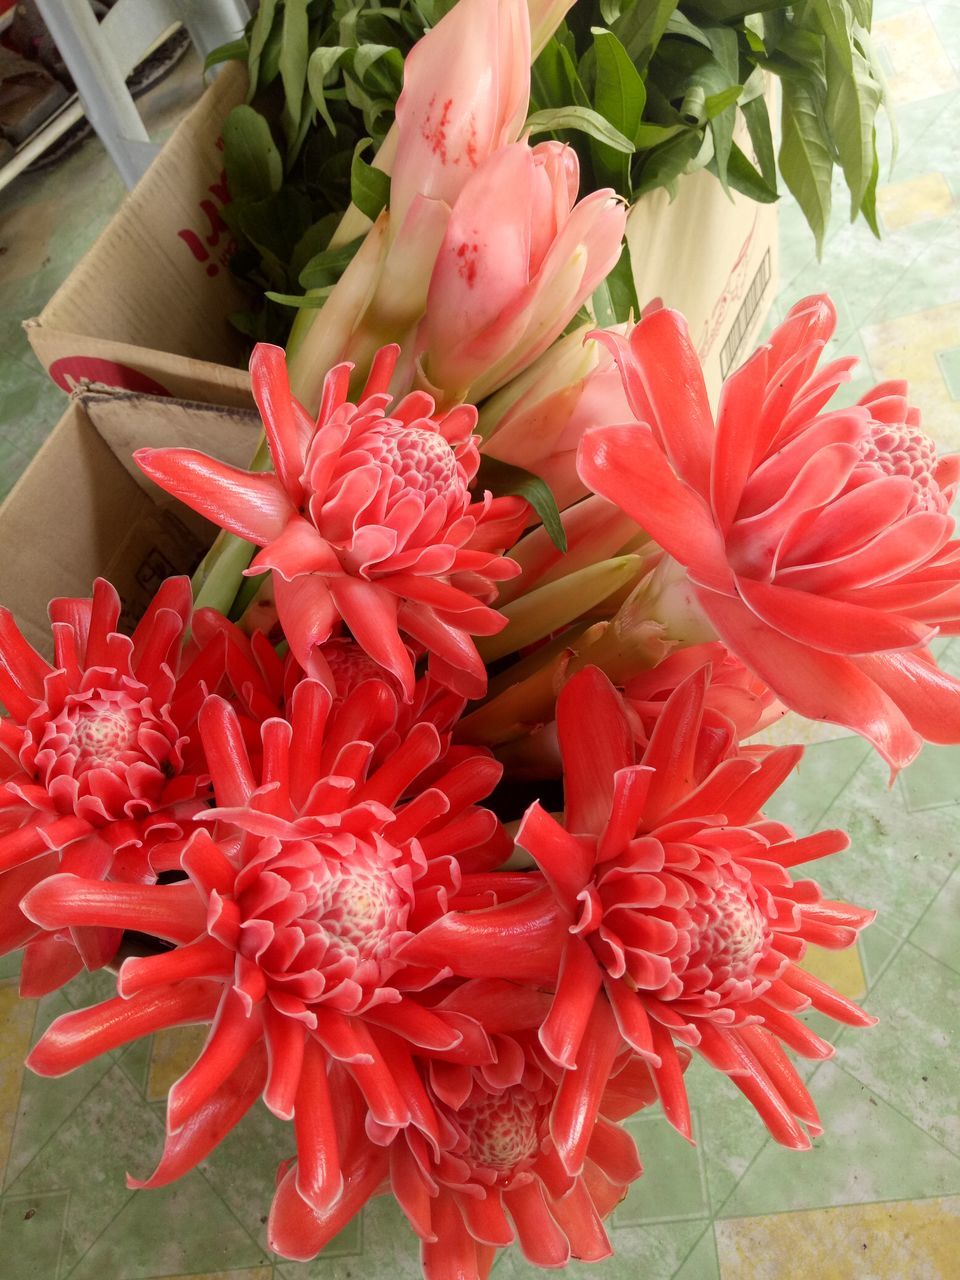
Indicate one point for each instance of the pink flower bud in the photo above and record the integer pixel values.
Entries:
(518, 259)
(465, 94)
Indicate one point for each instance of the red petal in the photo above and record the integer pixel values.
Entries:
(566, 861)
(232, 1036)
(579, 1095)
(295, 1230)
(319, 1178)
(220, 1114)
(595, 743)
(831, 625)
(542, 1241)
(563, 1029)
(78, 1037)
(271, 390)
(172, 911)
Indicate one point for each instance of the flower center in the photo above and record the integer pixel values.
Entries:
(733, 937)
(102, 737)
(903, 450)
(361, 907)
(502, 1130)
(420, 459)
(350, 666)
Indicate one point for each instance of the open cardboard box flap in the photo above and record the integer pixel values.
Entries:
(147, 306)
(82, 510)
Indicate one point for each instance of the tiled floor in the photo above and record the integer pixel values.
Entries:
(878, 1198)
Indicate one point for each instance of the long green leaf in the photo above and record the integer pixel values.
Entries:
(582, 119)
(853, 98)
(757, 117)
(640, 28)
(868, 206)
(501, 478)
(259, 31)
(743, 177)
(252, 161)
(619, 97)
(615, 300)
(293, 63)
(806, 158)
(232, 51)
(834, 19)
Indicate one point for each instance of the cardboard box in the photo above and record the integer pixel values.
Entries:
(714, 259)
(712, 256)
(83, 509)
(146, 308)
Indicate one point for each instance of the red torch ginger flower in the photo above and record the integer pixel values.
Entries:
(816, 546)
(369, 518)
(98, 760)
(674, 913)
(495, 1176)
(290, 924)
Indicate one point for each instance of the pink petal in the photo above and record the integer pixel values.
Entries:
(626, 466)
(821, 686)
(831, 625)
(252, 505)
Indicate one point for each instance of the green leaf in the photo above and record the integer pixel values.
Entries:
(293, 62)
(252, 160)
(853, 97)
(742, 176)
(313, 242)
(834, 19)
(309, 301)
(328, 266)
(615, 300)
(321, 63)
(369, 187)
(679, 25)
(259, 31)
(640, 28)
(757, 117)
(651, 135)
(582, 119)
(806, 156)
(233, 51)
(610, 10)
(380, 67)
(868, 206)
(501, 478)
(620, 98)
(663, 165)
(863, 12)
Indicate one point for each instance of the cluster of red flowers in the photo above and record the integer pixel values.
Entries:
(454, 995)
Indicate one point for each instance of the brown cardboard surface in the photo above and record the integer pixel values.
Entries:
(711, 257)
(81, 510)
(146, 308)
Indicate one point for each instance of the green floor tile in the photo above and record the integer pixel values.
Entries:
(154, 1231)
(701, 1263)
(910, 1059)
(938, 931)
(31, 1233)
(869, 1152)
(673, 1186)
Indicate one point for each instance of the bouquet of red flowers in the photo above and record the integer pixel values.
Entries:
(454, 834)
